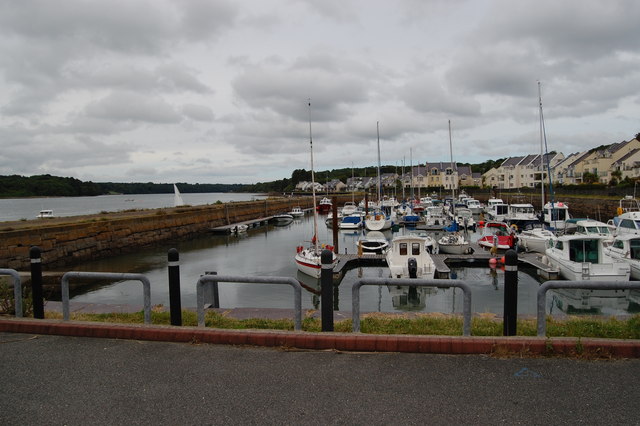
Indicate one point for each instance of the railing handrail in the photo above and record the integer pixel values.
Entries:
(586, 285)
(210, 279)
(17, 289)
(115, 276)
(411, 282)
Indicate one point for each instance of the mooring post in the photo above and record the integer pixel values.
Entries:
(510, 292)
(326, 290)
(175, 304)
(36, 282)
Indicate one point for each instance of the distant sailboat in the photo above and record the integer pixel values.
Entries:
(177, 198)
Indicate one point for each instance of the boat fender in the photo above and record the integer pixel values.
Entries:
(544, 259)
(619, 210)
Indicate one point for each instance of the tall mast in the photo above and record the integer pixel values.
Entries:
(453, 187)
(541, 149)
(379, 177)
(313, 187)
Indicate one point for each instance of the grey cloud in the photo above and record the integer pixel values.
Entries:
(198, 112)
(128, 106)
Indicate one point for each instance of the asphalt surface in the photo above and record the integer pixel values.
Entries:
(48, 379)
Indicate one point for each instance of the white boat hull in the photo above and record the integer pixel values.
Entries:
(585, 271)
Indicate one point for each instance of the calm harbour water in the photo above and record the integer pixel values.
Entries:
(269, 250)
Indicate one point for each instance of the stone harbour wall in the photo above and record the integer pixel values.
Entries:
(65, 241)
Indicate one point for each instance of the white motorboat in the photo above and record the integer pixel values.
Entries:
(240, 228)
(454, 244)
(408, 258)
(45, 214)
(474, 205)
(374, 242)
(282, 219)
(465, 220)
(555, 215)
(536, 239)
(627, 248)
(435, 216)
(590, 227)
(377, 221)
(520, 215)
(349, 208)
(580, 258)
(297, 211)
(351, 222)
(329, 219)
(497, 210)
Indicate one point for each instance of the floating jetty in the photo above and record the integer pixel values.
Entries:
(253, 223)
(347, 262)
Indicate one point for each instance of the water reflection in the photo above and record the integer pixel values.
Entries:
(269, 250)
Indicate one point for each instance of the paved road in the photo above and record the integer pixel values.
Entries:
(80, 381)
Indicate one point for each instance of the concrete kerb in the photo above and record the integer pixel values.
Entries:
(514, 345)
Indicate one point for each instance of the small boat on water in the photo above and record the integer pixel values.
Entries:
(454, 244)
(590, 227)
(240, 228)
(177, 197)
(408, 258)
(351, 222)
(580, 258)
(325, 205)
(378, 221)
(282, 219)
(297, 211)
(498, 235)
(45, 214)
(374, 242)
(349, 208)
(627, 248)
(520, 215)
(555, 215)
(465, 220)
(536, 238)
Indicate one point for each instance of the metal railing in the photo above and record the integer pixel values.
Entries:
(211, 279)
(411, 282)
(583, 285)
(17, 289)
(113, 276)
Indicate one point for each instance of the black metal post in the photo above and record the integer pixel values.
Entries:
(326, 290)
(175, 304)
(334, 225)
(36, 282)
(510, 292)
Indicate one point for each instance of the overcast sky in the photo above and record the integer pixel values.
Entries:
(208, 91)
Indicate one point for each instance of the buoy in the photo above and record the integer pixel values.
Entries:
(502, 259)
(493, 261)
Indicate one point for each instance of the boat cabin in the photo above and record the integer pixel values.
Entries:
(45, 214)
(580, 250)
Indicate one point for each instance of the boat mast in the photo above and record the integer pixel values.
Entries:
(313, 188)
(379, 177)
(546, 149)
(453, 188)
(541, 150)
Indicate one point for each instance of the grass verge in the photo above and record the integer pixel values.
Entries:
(421, 324)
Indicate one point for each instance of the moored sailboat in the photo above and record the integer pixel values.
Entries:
(308, 259)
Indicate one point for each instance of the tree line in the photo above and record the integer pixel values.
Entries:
(15, 186)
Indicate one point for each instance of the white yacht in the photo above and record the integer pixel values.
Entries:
(407, 252)
(580, 258)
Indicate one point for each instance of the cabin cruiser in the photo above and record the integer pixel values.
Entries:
(555, 215)
(349, 208)
(325, 205)
(297, 211)
(580, 258)
(408, 258)
(590, 227)
(521, 215)
(378, 221)
(627, 248)
(497, 210)
(474, 205)
(45, 214)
